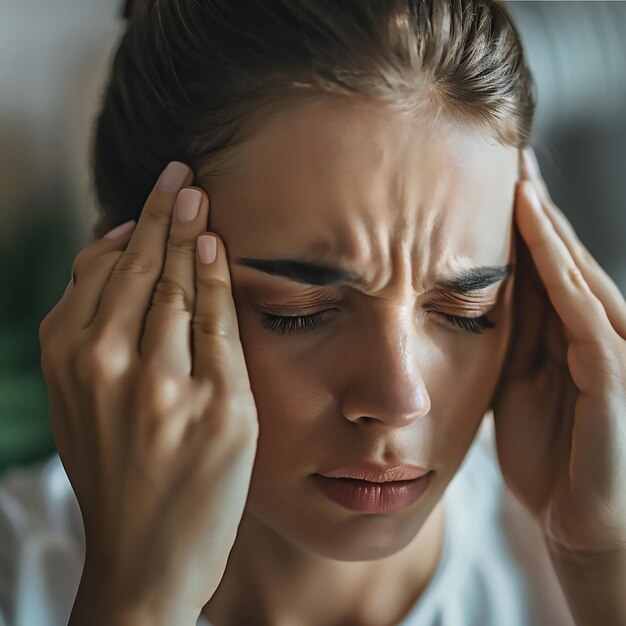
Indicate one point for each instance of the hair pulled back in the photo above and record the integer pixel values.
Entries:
(191, 78)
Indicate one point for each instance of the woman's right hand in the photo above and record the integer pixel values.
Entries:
(152, 413)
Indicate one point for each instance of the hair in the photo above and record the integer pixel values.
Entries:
(191, 79)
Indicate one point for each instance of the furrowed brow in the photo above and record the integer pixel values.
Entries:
(308, 273)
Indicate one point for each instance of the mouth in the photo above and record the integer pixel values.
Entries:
(376, 473)
(368, 496)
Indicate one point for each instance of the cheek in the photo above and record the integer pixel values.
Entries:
(287, 404)
(464, 382)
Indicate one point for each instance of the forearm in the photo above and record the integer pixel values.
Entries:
(594, 586)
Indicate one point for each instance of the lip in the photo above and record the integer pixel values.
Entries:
(375, 473)
(371, 497)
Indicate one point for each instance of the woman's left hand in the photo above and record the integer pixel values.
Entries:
(560, 404)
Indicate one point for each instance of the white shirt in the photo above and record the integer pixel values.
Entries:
(494, 570)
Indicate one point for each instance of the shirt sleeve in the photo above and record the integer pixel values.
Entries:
(41, 546)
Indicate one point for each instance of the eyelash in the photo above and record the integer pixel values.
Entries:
(284, 324)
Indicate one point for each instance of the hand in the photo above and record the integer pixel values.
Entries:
(560, 405)
(152, 411)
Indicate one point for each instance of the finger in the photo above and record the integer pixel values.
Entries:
(599, 281)
(167, 333)
(527, 349)
(127, 294)
(580, 310)
(530, 171)
(217, 351)
(80, 312)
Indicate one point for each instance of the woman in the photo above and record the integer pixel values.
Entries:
(345, 296)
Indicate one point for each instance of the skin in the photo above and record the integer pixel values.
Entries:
(406, 202)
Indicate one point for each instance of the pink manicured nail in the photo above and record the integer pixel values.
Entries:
(207, 248)
(173, 177)
(120, 230)
(188, 204)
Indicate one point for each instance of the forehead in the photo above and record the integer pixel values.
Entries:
(352, 179)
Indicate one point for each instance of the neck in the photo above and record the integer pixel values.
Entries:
(270, 580)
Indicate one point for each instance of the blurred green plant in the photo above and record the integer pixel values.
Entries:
(36, 257)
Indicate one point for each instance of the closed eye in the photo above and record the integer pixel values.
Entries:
(284, 324)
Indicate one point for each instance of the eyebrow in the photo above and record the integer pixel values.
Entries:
(308, 273)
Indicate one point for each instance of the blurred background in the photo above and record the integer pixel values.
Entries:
(54, 56)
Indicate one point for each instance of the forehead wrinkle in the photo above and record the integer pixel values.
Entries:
(425, 228)
(417, 206)
(364, 246)
(442, 241)
(349, 244)
(390, 241)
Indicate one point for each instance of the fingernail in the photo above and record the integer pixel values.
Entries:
(207, 248)
(188, 204)
(120, 230)
(173, 177)
(69, 285)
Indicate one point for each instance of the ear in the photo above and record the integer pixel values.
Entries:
(101, 228)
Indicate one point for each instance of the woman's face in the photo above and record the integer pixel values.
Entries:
(355, 186)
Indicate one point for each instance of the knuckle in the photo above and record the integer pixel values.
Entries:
(229, 416)
(236, 407)
(176, 246)
(103, 356)
(575, 277)
(239, 404)
(211, 324)
(212, 282)
(171, 293)
(103, 261)
(85, 261)
(158, 214)
(134, 263)
(160, 391)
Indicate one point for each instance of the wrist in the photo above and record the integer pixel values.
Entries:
(91, 607)
(100, 601)
(593, 584)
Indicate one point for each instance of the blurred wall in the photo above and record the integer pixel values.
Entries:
(577, 53)
(53, 57)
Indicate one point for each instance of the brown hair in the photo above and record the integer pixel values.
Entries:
(191, 78)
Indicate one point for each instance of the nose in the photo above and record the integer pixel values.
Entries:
(385, 383)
